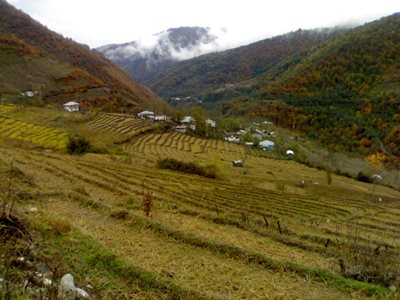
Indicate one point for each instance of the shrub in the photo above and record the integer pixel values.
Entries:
(78, 145)
(367, 261)
(209, 171)
(363, 178)
(328, 177)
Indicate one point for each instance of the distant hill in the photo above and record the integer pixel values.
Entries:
(33, 58)
(228, 69)
(338, 63)
(167, 48)
(360, 63)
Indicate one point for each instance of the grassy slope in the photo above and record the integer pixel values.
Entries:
(205, 237)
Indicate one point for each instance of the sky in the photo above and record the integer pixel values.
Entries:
(236, 22)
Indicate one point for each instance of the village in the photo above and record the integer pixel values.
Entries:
(257, 135)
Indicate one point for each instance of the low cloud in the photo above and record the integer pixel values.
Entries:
(174, 44)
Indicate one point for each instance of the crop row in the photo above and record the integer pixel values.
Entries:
(119, 123)
(39, 135)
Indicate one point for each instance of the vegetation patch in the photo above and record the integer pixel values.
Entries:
(209, 171)
(78, 145)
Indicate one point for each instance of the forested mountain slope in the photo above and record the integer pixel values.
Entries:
(34, 58)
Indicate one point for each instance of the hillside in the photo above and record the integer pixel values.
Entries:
(360, 63)
(33, 58)
(143, 61)
(205, 74)
(125, 228)
(357, 63)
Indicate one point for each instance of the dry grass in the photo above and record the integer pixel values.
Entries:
(90, 190)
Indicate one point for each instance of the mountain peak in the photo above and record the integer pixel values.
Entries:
(143, 59)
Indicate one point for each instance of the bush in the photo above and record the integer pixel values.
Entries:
(366, 261)
(209, 171)
(363, 178)
(78, 145)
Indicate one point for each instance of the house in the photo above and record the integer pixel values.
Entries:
(258, 134)
(188, 120)
(211, 123)
(267, 145)
(160, 118)
(232, 137)
(181, 128)
(72, 106)
(146, 115)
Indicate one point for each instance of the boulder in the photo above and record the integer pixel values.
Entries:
(67, 289)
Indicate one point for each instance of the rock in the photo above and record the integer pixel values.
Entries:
(67, 289)
(393, 288)
(81, 294)
(33, 210)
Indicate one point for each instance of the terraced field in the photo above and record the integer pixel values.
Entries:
(182, 146)
(46, 137)
(270, 230)
(121, 124)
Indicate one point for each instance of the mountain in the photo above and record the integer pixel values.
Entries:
(143, 61)
(33, 58)
(338, 63)
(228, 69)
(361, 63)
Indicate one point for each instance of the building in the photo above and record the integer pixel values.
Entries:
(267, 145)
(211, 123)
(146, 115)
(181, 128)
(160, 118)
(72, 106)
(258, 134)
(187, 120)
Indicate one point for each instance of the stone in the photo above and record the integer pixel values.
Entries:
(81, 294)
(67, 289)
(33, 210)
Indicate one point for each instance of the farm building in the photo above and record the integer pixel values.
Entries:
(72, 106)
(267, 145)
(181, 128)
(211, 123)
(146, 115)
(160, 118)
(187, 120)
(232, 137)
(258, 134)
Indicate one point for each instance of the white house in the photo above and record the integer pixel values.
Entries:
(211, 123)
(71, 106)
(187, 120)
(232, 137)
(181, 128)
(160, 118)
(146, 115)
(267, 145)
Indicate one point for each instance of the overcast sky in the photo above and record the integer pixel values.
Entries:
(99, 22)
